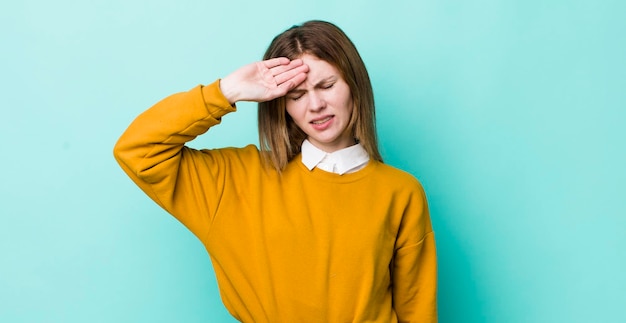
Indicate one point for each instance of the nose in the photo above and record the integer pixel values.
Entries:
(316, 102)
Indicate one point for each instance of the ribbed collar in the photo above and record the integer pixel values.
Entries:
(347, 160)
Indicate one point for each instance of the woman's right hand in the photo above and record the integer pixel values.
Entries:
(264, 81)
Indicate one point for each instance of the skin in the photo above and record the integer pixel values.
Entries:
(322, 106)
(263, 81)
(318, 98)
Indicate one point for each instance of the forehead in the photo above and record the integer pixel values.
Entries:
(318, 68)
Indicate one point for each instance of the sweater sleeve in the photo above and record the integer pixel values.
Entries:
(153, 154)
(414, 267)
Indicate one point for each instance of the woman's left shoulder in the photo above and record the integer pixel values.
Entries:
(394, 175)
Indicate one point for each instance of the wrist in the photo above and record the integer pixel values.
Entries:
(228, 91)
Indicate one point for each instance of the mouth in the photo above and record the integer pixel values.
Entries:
(321, 120)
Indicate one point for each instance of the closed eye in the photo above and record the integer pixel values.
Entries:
(327, 86)
(295, 96)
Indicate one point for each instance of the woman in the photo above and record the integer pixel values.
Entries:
(312, 227)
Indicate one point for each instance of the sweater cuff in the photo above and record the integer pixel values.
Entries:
(215, 102)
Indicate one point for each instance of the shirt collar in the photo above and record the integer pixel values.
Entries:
(344, 160)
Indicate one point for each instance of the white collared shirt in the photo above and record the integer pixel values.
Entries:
(347, 160)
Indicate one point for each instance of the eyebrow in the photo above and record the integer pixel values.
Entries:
(331, 78)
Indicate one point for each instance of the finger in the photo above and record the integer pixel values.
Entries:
(291, 73)
(283, 68)
(278, 61)
(291, 84)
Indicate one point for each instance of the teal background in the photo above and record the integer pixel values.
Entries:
(511, 113)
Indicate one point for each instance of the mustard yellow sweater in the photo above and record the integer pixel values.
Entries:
(304, 246)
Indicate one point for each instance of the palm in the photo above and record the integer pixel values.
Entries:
(265, 80)
(265, 85)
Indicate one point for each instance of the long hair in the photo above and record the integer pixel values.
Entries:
(280, 138)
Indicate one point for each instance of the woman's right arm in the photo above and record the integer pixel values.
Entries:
(152, 150)
(153, 154)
